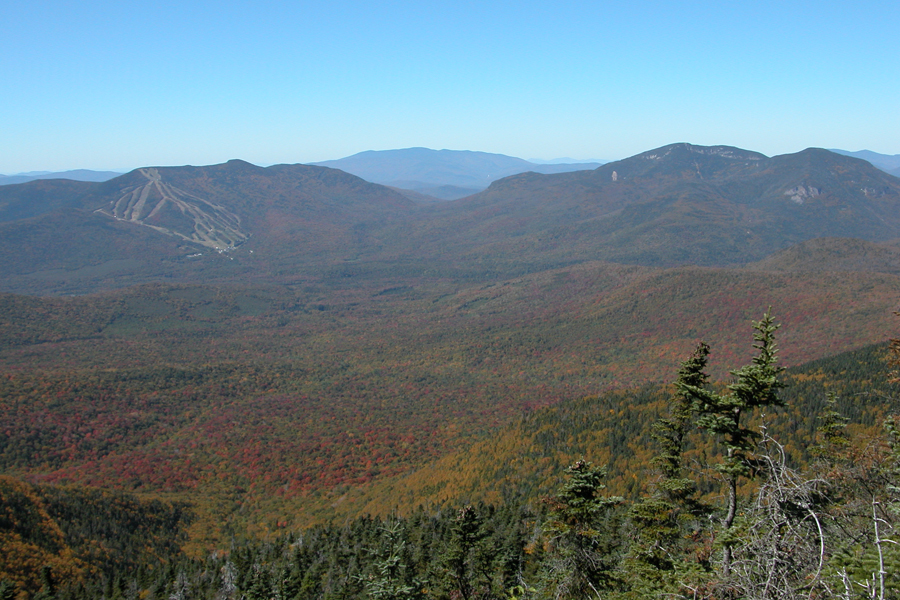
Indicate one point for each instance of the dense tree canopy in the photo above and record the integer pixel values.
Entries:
(722, 509)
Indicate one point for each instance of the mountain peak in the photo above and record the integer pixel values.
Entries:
(237, 162)
(688, 161)
(682, 149)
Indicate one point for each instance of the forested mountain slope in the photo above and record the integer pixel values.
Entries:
(291, 224)
(834, 254)
(436, 511)
(680, 204)
(283, 346)
(529, 457)
(175, 223)
(278, 403)
(80, 534)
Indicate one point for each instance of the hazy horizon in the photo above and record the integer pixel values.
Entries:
(104, 85)
(558, 160)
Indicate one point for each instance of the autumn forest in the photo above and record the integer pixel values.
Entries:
(665, 377)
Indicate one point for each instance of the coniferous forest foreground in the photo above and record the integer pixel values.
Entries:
(741, 495)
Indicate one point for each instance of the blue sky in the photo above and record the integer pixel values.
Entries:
(117, 85)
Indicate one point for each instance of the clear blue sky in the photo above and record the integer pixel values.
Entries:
(116, 85)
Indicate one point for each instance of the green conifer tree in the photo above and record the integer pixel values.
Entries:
(8, 590)
(584, 538)
(656, 560)
(392, 578)
(755, 386)
(48, 584)
(466, 561)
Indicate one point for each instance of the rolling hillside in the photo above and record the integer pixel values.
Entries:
(74, 175)
(528, 457)
(834, 254)
(270, 401)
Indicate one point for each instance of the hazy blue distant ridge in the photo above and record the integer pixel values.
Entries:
(75, 175)
(447, 174)
(886, 162)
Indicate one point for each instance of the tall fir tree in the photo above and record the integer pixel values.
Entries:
(755, 386)
(657, 559)
(584, 536)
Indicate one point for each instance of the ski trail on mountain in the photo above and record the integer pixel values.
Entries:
(157, 202)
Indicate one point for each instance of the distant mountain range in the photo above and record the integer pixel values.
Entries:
(443, 174)
(566, 160)
(885, 162)
(440, 174)
(676, 205)
(76, 175)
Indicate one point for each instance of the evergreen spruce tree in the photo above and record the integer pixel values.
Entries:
(832, 440)
(392, 577)
(48, 584)
(584, 538)
(466, 561)
(755, 386)
(657, 560)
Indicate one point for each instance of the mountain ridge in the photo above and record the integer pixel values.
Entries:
(886, 162)
(73, 175)
(354, 335)
(303, 211)
(735, 206)
(447, 174)
(300, 221)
